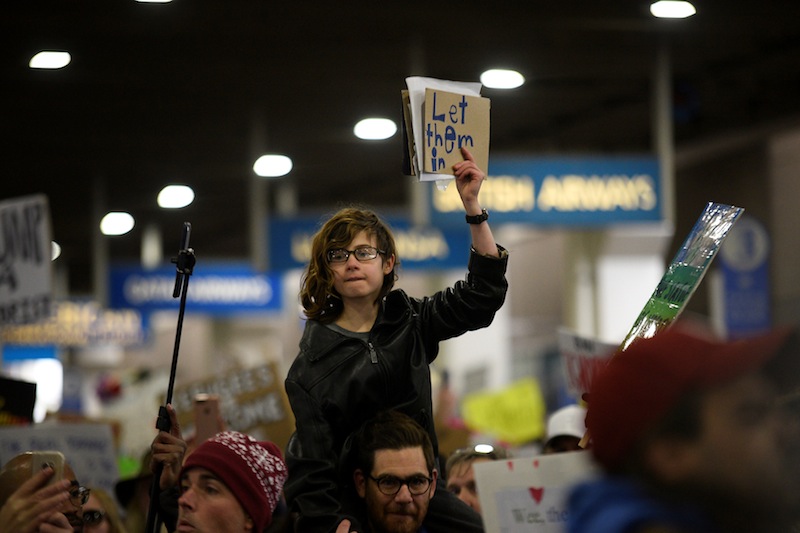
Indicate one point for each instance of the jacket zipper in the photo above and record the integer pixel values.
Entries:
(373, 355)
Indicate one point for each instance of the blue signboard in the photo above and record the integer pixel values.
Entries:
(743, 260)
(215, 289)
(561, 192)
(418, 248)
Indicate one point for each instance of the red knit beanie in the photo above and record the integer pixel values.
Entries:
(253, 471)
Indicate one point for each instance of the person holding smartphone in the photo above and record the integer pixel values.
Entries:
(31, 501)
(366, 349)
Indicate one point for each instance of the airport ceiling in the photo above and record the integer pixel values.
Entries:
(194, 90)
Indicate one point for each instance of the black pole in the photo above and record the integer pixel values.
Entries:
(184, 266)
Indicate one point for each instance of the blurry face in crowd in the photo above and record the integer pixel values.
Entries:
(94, 516)
(206, 505)
(561, 444)
(402, 512)
(747, 451)
(461, 482)
(73, 507)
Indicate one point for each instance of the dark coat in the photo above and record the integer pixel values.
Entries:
(338, 382)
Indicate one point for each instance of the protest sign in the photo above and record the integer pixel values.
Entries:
(251, 400)
(514, 414)
(25, 255)
(440, 117)
(88, 448)
(582, 358)
(453, 121)
(529, 494)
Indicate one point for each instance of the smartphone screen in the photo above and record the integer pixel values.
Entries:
(53, 459)
(207, 417)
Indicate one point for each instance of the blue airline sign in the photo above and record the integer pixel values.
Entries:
(215, 289)
(561, 192)
(418, 248)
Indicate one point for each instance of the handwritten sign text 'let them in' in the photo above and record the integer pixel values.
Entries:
(453, 121)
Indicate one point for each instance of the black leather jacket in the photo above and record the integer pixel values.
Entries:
(338, 382)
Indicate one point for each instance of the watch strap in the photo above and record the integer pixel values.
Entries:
(477, 219)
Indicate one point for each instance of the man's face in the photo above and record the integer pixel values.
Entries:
(402, 512)
(207, 505)
(461, 482)
(746, 454)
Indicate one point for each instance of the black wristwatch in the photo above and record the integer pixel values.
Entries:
(477, 219)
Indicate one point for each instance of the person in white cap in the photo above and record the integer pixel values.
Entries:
(565, 429)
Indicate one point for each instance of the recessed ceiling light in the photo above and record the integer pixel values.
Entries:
(55, 250)
(672, 9)
(50, 59)
(498, 78)
(373, 129)
(175, 196)
(272, 166)
(116, 223)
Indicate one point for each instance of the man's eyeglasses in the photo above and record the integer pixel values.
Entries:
(79, 495)
(93, 518)
(362, 253)
(391, 485)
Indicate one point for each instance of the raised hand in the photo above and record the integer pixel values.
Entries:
(34, 506)
(169, 449)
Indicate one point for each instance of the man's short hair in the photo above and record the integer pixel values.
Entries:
(390, 430)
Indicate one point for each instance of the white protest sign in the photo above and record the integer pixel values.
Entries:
(583, 358)
(25, 253)
(529, 494)
(88, 448)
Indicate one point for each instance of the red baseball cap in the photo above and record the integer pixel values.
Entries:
(641, 384)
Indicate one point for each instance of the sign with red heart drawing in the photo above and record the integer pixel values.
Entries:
(529, 494)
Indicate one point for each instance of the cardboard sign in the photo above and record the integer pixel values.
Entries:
(79, 324)
(16, 402)
(26, 250)
(583, 358)
(415, 118)
(453, 121)
(88, 448)
(252, 400)
(529, 494)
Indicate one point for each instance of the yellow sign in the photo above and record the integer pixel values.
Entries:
(515, 414)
